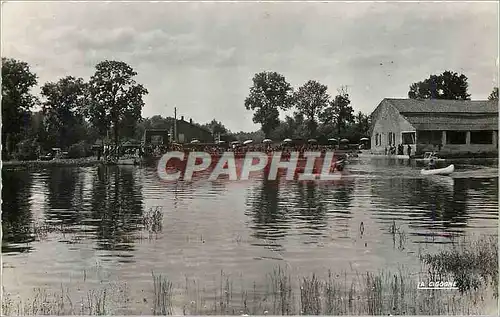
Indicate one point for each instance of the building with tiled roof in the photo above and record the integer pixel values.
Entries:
(448, 126)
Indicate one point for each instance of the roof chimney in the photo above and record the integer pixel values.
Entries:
(182, 118)
(190, 120)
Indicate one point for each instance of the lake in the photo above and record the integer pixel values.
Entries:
(81, 227)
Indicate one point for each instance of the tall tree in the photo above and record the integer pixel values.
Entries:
(310, 100)
(494, 94)
(63, 109)
(114, 97)
(339, 111)
(448, 85)
(270, 93)
(17, 100)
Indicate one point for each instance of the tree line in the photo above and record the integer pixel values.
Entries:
(75, 113)
(315, 112)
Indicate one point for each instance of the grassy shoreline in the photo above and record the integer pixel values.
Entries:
(61, 162)
(472, 264)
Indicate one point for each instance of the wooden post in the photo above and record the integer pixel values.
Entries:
(175, 124)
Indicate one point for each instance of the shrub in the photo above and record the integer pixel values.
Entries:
(78, 150)
(26, 150)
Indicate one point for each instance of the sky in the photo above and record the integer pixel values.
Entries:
(201, 57)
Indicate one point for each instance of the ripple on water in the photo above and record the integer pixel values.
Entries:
(244, 227)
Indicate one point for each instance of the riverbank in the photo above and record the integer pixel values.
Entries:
(449, 157)
(88, 161)
(93, 161)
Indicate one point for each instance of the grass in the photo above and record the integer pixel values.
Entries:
(472, 264)
(162, 301)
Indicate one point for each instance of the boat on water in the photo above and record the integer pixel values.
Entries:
(428, 156)
(439, 171)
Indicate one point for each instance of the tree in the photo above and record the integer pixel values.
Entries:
(363, 124)
(494, 94)
(448, 85)
(63, 109)
(269, 93)
(17, 100)
(340, 111)
(310, 100)
(215, 127)
(114, 97)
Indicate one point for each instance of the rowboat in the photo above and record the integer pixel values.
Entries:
(438, 171)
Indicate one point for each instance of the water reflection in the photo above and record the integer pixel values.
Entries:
(310, 208)
(16, 216)
(435, 203)
(342, 196)
(106, 204)
(116, 207)
(269, 217)
(64, 202)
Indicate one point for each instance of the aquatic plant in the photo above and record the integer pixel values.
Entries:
(470, 263)
(280, 293)
(162, 301)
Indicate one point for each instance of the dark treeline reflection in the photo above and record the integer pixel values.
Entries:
(116, 207)
(310, 207)
(64, 202)
(269, 216)
(16, 215)
(275, 207)
(341, 194)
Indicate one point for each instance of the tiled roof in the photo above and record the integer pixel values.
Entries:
(443, 106)
(457, 121)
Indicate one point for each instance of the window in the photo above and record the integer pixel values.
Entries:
(430, 137)
(481, 137)
(390, 138)
(408, 137)
(456, 137)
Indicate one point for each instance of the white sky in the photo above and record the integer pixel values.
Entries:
(201, 57)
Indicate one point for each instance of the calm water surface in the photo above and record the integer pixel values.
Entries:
(244, 228)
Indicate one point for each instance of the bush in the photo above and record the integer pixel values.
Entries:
(78, 150)
(26, 150)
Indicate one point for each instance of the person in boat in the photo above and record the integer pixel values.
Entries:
(432, 164)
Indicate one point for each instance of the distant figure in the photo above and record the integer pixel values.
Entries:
(432, 164)
(408, 150)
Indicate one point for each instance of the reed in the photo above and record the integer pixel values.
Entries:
(280, 293)
(471, 263)
(162, 301)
